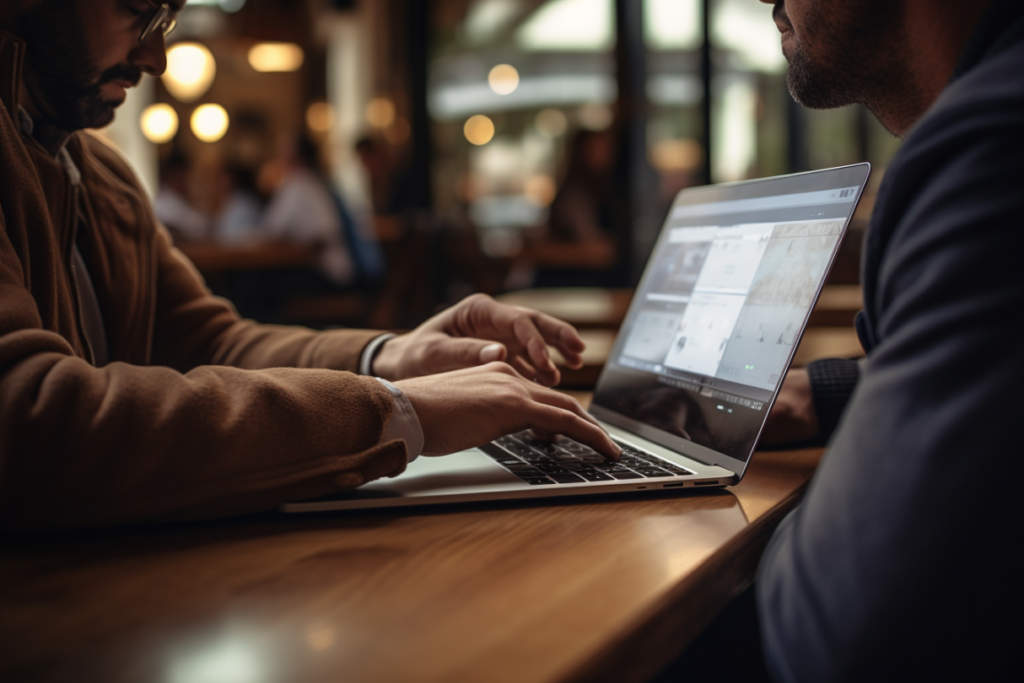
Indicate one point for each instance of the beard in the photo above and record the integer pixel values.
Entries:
(63, 71)
(849, 54)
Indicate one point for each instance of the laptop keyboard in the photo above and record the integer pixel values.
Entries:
(541, 463)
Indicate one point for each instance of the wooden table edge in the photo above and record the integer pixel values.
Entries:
(650, 643)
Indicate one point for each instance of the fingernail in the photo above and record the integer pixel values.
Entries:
(491, 352)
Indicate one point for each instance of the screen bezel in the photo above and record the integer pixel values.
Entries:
(702, 195)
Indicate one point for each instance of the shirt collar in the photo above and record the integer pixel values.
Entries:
(28, 127)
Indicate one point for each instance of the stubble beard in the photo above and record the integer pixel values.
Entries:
(859, 63)
(63, 71)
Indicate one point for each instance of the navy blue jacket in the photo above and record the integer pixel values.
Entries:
(899, 564)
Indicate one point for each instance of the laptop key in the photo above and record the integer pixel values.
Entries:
(594, 475)
(654, 473)
(626, 475)
(538, 481)
(566, 478)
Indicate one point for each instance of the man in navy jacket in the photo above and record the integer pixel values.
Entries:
(898, 564)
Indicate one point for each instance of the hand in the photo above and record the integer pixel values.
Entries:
(468, 408)
(480, 330)
(792, 418)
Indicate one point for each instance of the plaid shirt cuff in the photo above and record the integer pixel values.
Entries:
(832, 383)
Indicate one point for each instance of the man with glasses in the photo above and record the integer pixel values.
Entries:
(129, 393)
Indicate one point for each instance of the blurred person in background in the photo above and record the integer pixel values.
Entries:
(239, 217)
(303, 210)
(171, 203)
(390, 185)
(587, 222)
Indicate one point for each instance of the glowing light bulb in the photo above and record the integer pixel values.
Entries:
(159, 123)
(479, 129)
(210, 122)
(503, 79)
(276, 57)
(191, 69)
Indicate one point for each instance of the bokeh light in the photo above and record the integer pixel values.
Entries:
(159, 123)
(540, 190)
(551, 123)
(676, 155)
(380, 112)
(595, 117)
(320, 117)
(191, 69)
(503, 79)
(479, 129)
(276, 57)
(210, 122)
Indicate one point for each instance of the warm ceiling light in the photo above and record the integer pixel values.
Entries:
(159, 123)
(479, 129)
(320, 117)
(380, 112)
(210, 122)
(190, 71)
(503, 79)
(276, 57)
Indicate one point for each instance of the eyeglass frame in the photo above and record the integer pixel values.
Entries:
(163, 17)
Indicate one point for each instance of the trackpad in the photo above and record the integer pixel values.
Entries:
(459, 473)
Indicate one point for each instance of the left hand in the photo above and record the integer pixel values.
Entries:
(479, 330)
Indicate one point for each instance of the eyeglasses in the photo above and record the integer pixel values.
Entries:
(164, 21)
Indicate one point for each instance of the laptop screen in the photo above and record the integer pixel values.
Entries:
(722, 304)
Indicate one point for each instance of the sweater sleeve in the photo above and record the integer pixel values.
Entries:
(85, 446)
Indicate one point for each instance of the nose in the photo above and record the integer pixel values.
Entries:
(150, 56)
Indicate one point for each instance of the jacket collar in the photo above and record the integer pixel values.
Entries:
(1001, 26)
(12, 60)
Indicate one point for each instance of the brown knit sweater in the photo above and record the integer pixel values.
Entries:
(199, 413)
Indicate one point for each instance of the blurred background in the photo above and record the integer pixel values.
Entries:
(368, 162)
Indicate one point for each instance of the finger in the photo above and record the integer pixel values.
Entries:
(546, 378)
(561, 421)
(541, 435)
(530, 337)
(564, 401)
(523, 367)
(562, 336)
(452, 353)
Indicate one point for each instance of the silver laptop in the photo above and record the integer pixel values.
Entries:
(696, 366)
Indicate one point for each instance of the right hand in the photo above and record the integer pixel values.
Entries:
(470, 407)
(793, 418)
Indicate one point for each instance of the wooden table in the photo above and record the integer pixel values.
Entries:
(552, 592)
